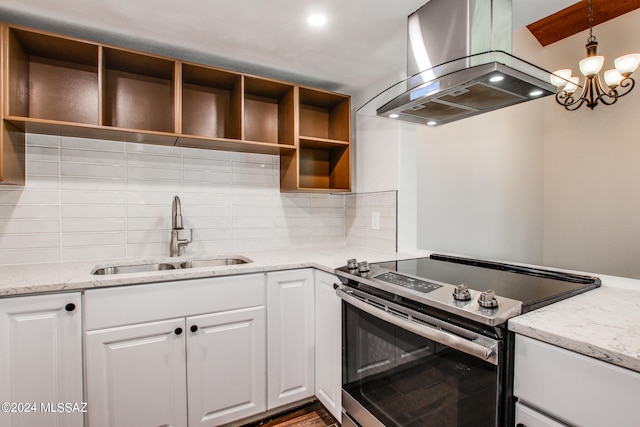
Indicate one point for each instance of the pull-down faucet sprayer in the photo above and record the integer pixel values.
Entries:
(176, 225)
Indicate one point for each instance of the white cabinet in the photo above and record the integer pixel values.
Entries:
(572, 388)
(527, 417)
(175, 354)
(290, 326)
(328, 343)
(137, 375)
(226, 368)
(41, 359)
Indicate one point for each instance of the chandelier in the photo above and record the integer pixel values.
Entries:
(618, 81)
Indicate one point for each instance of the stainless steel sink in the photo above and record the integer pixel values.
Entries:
(133, 268)
(215, 262)
(178, 265)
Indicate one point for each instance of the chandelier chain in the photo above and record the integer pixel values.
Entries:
(591, 37)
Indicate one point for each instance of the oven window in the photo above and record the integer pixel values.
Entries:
(406, 380)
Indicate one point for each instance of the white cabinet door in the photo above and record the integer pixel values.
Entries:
(136, 375)
(41, 358)
(226, 366)
(328, 343)
(290, 326)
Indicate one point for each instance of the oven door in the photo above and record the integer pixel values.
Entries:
(403, 368)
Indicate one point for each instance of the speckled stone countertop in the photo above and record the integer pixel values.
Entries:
(67, 276)
(603, 323)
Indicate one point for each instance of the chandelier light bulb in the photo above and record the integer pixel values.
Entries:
(591, 65)
(559, 78)
(627, 64)
(572, 85)
(612, 78)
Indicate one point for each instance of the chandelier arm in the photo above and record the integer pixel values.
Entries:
(628, 84)
(568, 101)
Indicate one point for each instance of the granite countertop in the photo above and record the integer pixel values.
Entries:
(67, 276)
(603, 323)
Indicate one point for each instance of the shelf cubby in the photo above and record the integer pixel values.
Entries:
(138, 91)
(268, 111)
(323, 166)
(324, 115)
(211, 102)
(52, 78)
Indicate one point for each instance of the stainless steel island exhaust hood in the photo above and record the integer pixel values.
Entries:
(459, 65)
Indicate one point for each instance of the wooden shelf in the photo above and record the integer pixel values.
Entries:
(138, 91)
(268, 111)
(63, 86)
(211, 102)
(52, 78)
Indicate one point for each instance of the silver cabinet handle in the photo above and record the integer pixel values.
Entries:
(488, 353)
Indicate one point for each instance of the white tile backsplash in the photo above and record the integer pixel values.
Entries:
(88, 199)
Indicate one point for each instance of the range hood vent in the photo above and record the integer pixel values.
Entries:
(470, 41)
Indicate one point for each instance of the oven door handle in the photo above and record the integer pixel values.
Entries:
(487, 352)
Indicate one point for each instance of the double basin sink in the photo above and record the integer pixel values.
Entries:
(169, 265)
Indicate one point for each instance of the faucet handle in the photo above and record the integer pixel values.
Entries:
(185, 242)
(182, 243)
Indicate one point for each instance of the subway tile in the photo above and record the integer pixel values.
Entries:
(91, 144)
(32, 240)
(141, 224)
(150, 149)
(265, 233)
(207, 199)
(144, 160)
(42, 154)
(70, 155)
(42, 182)
(253, 158)
(92, 197)
(252, 211)
(93, 211)
(198, 223)
(204, 163)
(35, 226)
(91, 170)
(208, 176)
(255, 221)
(148, 236)
(29, 256)
(252, 244)
(27, 196)
(97, 184)
(34, 139)
(93, 239)
(254, 179)
(150, 198)
(38, 168)
(29, 212)
(147, 250)
(154, 173)
(78, 225)
(97, 253)
(165, 186)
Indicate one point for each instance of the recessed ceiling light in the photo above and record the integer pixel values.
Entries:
(317, 19)
(394, 115)
(496, 78)
(432, 123)
(536, 92)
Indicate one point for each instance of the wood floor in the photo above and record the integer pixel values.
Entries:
(311, 415)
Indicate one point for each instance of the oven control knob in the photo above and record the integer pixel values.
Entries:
(488, 299)
(352, 264)
(363, 267)
(461, 293)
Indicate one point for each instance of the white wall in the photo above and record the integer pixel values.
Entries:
(480, 180)
(592, 165)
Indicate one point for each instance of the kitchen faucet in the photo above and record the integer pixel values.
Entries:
(176, 225)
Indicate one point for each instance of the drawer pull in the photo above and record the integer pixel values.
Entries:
(70, 307)
(194, 328)
(178, 331)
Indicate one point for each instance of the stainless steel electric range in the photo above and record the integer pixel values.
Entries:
(425, 340)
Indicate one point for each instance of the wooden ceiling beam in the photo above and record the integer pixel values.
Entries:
(575, 19)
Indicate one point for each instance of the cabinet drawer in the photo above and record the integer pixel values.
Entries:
(527, 417)
(574, 388)
(127, 305)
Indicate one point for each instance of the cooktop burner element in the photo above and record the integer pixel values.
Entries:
(484, 291)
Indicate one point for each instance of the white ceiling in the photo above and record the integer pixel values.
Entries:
(362, 44)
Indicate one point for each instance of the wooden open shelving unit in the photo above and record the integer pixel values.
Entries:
(58, 85)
